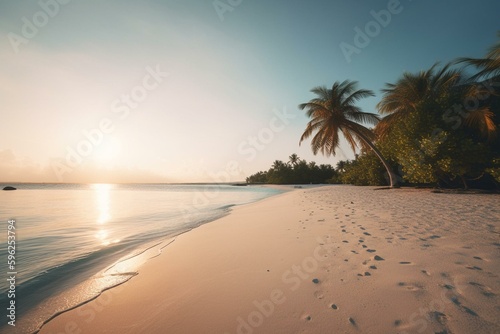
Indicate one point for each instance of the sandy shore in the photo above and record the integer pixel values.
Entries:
(333, 259)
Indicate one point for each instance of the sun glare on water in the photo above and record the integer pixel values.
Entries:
(102, 195)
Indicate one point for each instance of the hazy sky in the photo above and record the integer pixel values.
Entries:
(200, 90)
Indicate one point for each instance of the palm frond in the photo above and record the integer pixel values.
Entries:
(489, 66)
(482, 120)
(363, 117)
(384, 127)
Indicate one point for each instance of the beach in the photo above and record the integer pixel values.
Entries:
(332, 259)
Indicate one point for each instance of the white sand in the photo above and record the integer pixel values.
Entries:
(253, 271)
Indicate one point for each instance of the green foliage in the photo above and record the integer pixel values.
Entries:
(366, 170)
(414, 147)
(297, 171)
(439, 139)
(494, 170)
(259, 177)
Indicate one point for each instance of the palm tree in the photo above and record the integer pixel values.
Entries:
(278, 165)
(421, 91)
(312, 165)
(294, 159)
(341, 166)
(334, 112)
(490, 66)
(411, 92)
(482, 118)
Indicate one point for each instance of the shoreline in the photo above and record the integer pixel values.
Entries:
(310, 259)
(160, 245)
(109, 273)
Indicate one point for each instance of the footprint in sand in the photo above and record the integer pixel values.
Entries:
(457, 302)
(405, 262)
(440, 318)
(486, 291)
(371, 250)
(410, 286)
(474, 268)
(366, 233)
(425, 272)
(378, 258)
(334, 306)
(319, 295)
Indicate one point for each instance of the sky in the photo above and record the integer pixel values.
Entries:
(201, 90)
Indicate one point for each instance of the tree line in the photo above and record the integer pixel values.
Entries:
(294, 171)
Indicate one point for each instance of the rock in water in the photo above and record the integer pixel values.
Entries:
(9, 188)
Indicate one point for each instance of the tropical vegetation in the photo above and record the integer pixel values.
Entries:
(295, 171)
(439, 127)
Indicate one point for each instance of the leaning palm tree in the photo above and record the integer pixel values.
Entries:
(334, 112)
(489, 66)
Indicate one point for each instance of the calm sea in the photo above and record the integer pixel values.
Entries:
(74, 241)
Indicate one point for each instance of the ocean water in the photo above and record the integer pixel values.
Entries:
(74, 241)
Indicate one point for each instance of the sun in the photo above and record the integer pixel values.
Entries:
(107, 152)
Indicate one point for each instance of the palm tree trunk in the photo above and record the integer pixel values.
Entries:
(392, 177)
(464, 182)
